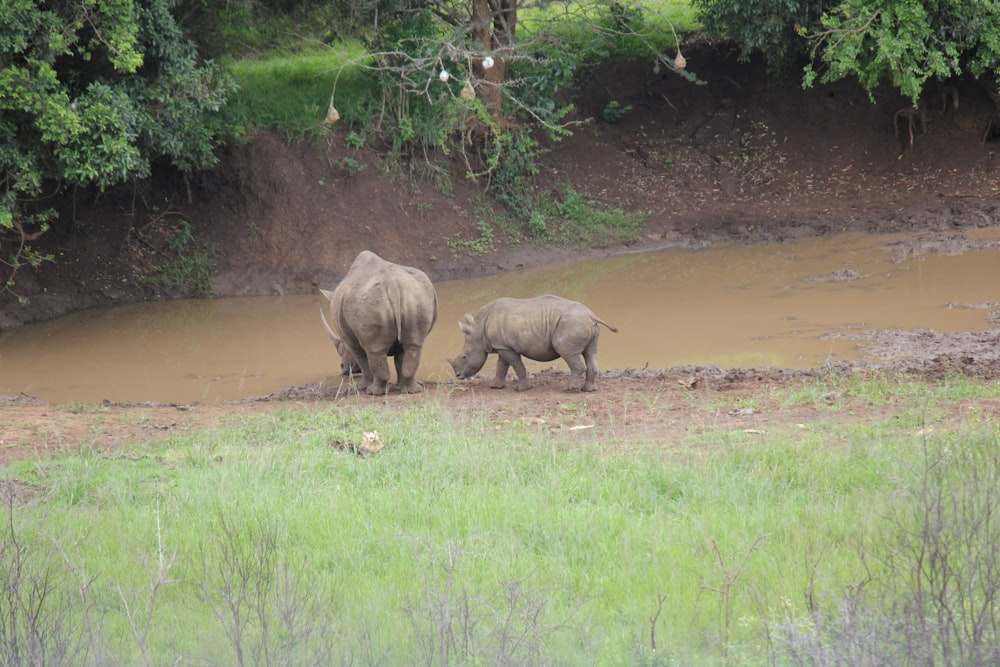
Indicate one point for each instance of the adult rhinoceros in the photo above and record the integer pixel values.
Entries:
(542, 328)
(381, 309)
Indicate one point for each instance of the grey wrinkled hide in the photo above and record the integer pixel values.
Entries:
(378, 310)
(543, 328)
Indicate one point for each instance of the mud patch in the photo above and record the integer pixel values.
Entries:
(954, 243)
(838, 276)
(927, 352)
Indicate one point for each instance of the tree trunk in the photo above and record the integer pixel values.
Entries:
(493, 26)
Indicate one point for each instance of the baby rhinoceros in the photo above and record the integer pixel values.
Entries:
(542, 328)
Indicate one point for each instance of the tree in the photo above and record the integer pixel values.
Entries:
(91, 92)
(906, 42)
(491, 26)
(769, 27)
(472, 79)
(469, 76)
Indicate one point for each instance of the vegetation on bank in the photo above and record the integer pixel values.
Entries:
(93, 94)
(275, 540)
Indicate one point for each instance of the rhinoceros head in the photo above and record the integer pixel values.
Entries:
(474, 352)
(348, 365)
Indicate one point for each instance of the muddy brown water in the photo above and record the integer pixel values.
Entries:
(734, 306)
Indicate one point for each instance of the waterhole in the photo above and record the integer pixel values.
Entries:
(787, 305)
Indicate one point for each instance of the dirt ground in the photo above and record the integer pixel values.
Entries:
(669, 407)
(741, 159)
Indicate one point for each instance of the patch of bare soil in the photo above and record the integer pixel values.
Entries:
(743, 158)
(669, 407)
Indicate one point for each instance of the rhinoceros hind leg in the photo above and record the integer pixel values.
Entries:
(590, 384)
(377, 388)
(576, 371)
(366, 379)
(400, 369)
(378, 371)
(590, 356)
(407, 362)
(371, 383)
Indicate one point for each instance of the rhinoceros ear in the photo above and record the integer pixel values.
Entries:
(466, 328)
(326, 293)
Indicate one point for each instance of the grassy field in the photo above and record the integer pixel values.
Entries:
(274, 540)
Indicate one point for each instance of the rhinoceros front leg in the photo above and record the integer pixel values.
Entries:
(499, 380)
(407, 363)
(509, 358)
(366, 377)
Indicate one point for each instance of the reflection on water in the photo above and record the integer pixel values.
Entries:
(729, 305)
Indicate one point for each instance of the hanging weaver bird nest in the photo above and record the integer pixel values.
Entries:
(332, 115)
(468, 92)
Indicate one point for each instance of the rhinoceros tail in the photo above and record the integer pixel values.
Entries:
(326, 325)
(396, 297)
(600, 321)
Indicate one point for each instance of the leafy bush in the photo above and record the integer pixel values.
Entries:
(188, 269)
(614, 111)
(92, 99)
(907, 43)
(903, 43)
(761, 26)
(515, 168)
(587, 225)
(476, 246)
(239, 28)
(434, 93)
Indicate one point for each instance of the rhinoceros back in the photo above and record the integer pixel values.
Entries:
(526, 326)
(413, 301)
(377, 296)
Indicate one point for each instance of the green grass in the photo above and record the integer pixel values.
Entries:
(660, 20)
(457, 537)
(290, 92)
(584, 224)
